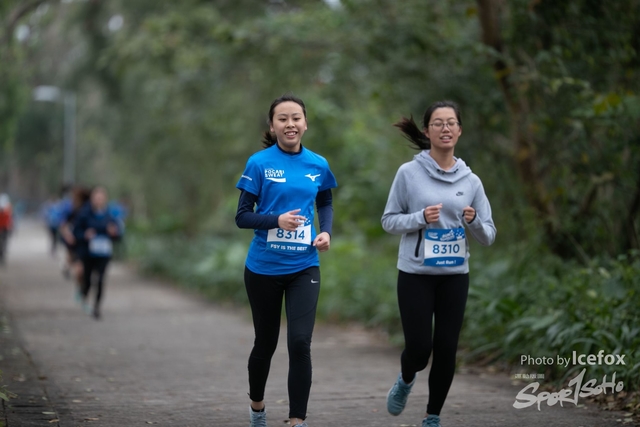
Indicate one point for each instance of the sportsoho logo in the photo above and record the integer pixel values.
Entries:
(577, 386)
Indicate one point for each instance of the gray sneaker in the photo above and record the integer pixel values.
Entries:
(397, 396)
(301, 425)
(258, 419)
(431, 421)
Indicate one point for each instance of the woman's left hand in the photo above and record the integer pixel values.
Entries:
(322, 241)
(112, 230)
(469, 214)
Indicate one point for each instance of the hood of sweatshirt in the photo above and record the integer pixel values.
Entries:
(456, 173)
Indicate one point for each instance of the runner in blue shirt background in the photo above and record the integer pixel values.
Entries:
(282, 182)
(95, 230)
(53, 215)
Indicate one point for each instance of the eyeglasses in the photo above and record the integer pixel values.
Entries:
(451, 124)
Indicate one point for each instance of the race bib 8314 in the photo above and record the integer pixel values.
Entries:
(298, 240)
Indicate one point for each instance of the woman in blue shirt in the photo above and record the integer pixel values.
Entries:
(279, 187)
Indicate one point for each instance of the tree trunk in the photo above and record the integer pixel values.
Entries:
(631, 235)
(525, 148)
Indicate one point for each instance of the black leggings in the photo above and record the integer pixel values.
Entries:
(53, 233)
(4, 236)
(265, 294)
(421, 297)
(91, 265)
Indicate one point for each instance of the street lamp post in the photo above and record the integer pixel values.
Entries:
(69, 163)
(54, 94)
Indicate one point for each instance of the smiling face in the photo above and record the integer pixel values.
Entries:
(288, 124)
(443, 129)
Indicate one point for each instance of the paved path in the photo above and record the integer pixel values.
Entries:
(163, 357)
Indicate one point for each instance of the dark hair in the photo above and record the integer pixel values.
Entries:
(416, 136)
(268, 139)
(80, 195)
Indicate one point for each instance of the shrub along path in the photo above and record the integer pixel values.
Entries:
(163, 357)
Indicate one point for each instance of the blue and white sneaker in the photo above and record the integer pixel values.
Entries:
(397, 396)
(258, 419)
(301, 425)
(86, 307)
(431, 421)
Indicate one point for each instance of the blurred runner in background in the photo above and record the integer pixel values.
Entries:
(52, 211)
(95, 230)
(70, 210)
(6, 225)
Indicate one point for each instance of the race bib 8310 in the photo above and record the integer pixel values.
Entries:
(444, 247)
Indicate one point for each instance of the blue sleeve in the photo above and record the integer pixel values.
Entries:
(328, 180)
(324, 203)
(247, 218)
(251, 179)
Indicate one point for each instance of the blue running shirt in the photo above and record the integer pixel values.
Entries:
(284, 182)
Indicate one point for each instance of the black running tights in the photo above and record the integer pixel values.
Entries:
(91, 266)
(421, 298)
(300, 291)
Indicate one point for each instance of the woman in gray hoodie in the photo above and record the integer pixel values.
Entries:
(434, 201)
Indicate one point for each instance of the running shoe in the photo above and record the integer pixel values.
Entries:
(86, 307)
(258, 419)
(301, 425)
(431, 421)
(397, 396)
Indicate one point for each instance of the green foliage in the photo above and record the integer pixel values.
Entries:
(574, 68)
(4, 394)
(358, 284)
(173, 103)
(209, 265)
(540, 305)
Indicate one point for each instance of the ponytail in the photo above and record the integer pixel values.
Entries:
(413, 134)
(268, 139)
(411, 131)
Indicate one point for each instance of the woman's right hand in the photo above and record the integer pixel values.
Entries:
(432, 213)
(290, 221)
(90, 233)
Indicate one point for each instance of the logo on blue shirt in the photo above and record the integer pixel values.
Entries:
(275, 175)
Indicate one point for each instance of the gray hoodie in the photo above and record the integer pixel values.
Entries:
(421, 183)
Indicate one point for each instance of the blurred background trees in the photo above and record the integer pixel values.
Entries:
(172, 98)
